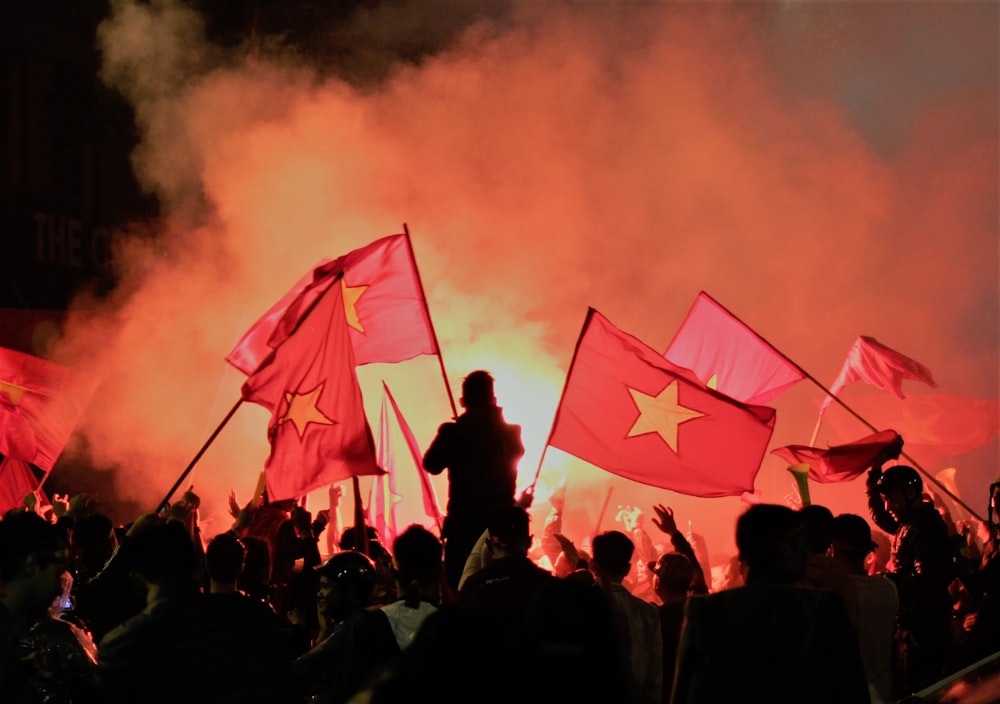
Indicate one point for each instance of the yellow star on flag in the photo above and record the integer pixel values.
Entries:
(302, 410)
(351, 296)
(660, 414)
(713, 382)
(13, 390)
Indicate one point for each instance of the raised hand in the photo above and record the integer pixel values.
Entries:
(665, 519)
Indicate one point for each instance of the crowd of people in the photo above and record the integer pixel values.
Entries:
(492, 610)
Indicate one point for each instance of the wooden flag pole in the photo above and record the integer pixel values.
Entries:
(854, 413)
(437, 347)
(604, 508)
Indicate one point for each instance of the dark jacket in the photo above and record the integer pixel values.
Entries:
(770, 643)
(922, 562)
(480, 451)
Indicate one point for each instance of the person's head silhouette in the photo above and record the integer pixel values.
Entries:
(477, 390)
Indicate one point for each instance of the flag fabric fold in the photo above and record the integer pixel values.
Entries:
(838, 463)
(382, 298)
(882, 367)
(40, 405)
(633, 413)
(728, 356)
(318, 430)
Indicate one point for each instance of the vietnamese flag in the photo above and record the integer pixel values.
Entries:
(40, 405)
(383, 304)
(728, 356)
(882, 367)
(631, 412)
(318, 430)
(839, 463)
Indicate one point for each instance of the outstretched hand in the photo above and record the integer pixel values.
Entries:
(665, 519)
(234, 506)
(568, 548)
(525, 499)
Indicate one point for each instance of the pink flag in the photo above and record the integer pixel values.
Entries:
(383, 303)
(838, 463)
(40, 405)
(318, 430)
(430, 503)
(631, 412)
(871, 361)
(382, 503)
(728, 356)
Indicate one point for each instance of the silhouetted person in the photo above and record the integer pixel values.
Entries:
(822, 571)
(508, 579)
(41, 657)
(346, 585)
(769, 640)
(480, 450)
(224, 559)
(878, 603)
(188, 646)
(672, 577)
(637, 621)
(377, 637)
(922, 567)
(983, 583)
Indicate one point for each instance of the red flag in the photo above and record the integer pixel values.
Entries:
(17, 480)
(383, 302)
(880, 366)
(382, 505)
(430, 502)
(40, 404)
(318, 431)
(935, 427)
(629, 411)
(728, 356)
(838, 463)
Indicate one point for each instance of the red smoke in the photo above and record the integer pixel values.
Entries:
(800, 163)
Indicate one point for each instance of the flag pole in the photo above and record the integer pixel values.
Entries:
(187, 470)
(360, 526)
(232, 411)
(850, 410)
(604, 508)
(562, 395)
(423, 297)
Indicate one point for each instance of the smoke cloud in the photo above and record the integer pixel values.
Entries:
(824, 171)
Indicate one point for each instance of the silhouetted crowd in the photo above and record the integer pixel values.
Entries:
(152, 611)
(808, 610)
